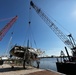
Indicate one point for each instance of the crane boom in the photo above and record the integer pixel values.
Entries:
(53, 27)
(7, 27)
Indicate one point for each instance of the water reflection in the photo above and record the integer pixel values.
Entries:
(47, 63)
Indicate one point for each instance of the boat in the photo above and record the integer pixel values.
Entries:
(19, 51)
(68, 68)
(66, 65)
(26, 54)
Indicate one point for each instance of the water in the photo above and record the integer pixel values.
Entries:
(47, 63)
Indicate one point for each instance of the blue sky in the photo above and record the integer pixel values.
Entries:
(63, 11)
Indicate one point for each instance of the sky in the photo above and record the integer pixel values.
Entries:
(61, 12)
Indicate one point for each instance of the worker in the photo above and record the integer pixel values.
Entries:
(38, 62)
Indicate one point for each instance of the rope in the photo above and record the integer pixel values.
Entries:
(29, 30)
(9, 46)
(25, 36)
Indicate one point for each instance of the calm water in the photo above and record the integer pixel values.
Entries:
(47, 63)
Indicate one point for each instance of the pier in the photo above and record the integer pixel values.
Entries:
(6, 69)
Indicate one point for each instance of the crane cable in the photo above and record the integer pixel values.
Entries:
(30, 13)
(29, 30)
(10, 45)
(57, 22)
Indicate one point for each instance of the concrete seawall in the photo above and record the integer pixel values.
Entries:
(6, 69)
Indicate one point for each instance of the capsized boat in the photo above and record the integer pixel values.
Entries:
(27, 54)
(20, 51)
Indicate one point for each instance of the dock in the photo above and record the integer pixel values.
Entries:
(18, 70)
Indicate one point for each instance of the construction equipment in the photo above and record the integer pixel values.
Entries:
(7, 27)
(69, 42)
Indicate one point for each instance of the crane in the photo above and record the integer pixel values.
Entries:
(67, 41)
(7, 27)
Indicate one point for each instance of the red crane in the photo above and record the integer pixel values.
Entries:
(7, 27)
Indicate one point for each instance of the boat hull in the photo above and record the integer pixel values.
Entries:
(68, 68)
(19, 51)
